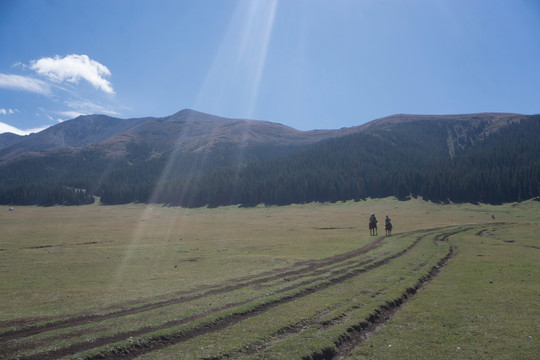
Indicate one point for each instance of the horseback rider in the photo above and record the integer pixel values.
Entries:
(388, 225)
(372, 225)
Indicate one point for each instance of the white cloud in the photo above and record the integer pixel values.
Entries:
(51, 76)
(11, 129)
(72, 68)
(5, 128)
(24, 83)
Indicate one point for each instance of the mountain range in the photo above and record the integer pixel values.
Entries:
(192, 131)
(196, 159)
(187, 130)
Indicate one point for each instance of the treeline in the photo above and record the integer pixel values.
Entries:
(408, 160)
(57, 179)
(45, 195)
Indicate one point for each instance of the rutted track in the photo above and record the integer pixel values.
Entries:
(299, 269)
(282, 286)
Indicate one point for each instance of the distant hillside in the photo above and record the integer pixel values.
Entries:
(453, 132)
(195, 159)
(76, 133)
(185, 131)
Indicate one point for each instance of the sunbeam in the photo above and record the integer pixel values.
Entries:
(235, 76)
(236, 71)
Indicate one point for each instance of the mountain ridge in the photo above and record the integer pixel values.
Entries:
(194, 159)
(190, 130)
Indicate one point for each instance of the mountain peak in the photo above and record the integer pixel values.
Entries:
(189, 115)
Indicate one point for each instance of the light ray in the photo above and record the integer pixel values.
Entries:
(234, 78)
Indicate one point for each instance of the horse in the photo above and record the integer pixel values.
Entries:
(373, 227)
(388, 228)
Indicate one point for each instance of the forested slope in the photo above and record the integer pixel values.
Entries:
(505, 167)
(458, 160)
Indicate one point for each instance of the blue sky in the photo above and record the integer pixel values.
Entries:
(309, 64)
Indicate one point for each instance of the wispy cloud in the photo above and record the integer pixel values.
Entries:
(24, 83)
(8, 111)
(73, 68)
(85, 107)
(71, 114)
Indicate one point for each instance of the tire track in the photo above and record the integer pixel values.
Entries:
(375, 322)
(298, 269)
(160, 342)
(300, 326)
(332, 270)
(357, 333)
(102, 341)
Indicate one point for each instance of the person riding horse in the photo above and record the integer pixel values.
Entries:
(372, 225)
(388, 225)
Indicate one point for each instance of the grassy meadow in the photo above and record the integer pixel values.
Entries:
(297, 282)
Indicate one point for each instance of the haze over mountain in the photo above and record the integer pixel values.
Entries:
(196, 159)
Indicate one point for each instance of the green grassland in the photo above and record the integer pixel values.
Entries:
(296, 282)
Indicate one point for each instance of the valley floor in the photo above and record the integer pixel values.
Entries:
(302, 281)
